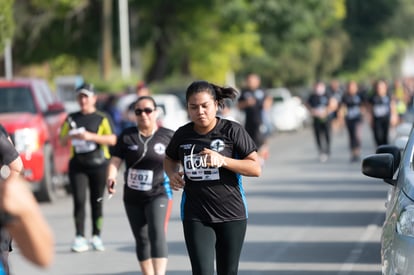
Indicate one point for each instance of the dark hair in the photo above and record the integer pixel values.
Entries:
(219, 93)
(146, 97)
(86, 86)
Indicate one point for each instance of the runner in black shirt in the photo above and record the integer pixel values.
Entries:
(91, 133)
(147, 194)
(321, 105)
(214, 153)
(353, 103)
(382, 109)
(256, 103)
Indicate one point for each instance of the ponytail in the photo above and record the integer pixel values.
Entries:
(219, 93)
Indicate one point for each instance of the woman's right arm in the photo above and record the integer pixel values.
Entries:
(64, 134)
(112, 173)
(28, 227)
(172, 169)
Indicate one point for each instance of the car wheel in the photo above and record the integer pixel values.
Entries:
(47, 192)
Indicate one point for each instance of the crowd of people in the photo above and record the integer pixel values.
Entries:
(205, 159)
(382, 105)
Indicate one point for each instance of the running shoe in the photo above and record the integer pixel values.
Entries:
(80, 244)
(323, 157)
(97, 243)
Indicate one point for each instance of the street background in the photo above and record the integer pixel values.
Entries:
(305, 217)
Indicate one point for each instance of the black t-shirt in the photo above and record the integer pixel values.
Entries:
(211, 194)
(8, 154)
(144, 158)
(254, 116)
(7, 151)
(316, 101)
(381, 106)
(353, 106)
(88, 152)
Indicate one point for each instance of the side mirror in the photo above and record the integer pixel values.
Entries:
(379, 166)
(393, 150)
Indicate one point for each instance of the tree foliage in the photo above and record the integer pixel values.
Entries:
(287, 42)
(6, 21)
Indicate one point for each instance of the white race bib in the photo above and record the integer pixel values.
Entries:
(83, 146)
(140, 180)
(380, 110)
(196, 169)
(353, 112)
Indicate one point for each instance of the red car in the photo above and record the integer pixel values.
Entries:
(33, 116)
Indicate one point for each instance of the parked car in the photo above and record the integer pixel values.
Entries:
(172, 112)
(287, 113)
(395, 167)
(32, 116)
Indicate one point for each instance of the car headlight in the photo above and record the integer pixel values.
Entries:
(405, 225)
(26, 140)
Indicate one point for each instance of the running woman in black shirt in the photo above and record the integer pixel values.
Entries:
(214, 154)
(321, 105)
(382, 109)
(90, 133)
(147, 194)
(352, 101)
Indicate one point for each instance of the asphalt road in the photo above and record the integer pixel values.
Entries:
(305, 217)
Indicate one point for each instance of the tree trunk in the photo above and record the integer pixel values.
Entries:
(106, 39)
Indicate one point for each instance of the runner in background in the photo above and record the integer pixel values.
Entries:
(256, 104)
(147, 194)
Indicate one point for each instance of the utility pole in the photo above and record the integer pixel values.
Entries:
(124, 38)
(106, 39)
(8, 63)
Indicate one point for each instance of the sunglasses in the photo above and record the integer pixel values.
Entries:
(139, 112)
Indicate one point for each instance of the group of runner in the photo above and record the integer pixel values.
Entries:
(205, 158)
(335, 106)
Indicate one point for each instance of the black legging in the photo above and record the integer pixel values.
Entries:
(353, 126)
(322, 130)
(225, 238)
(380, 127)
(148, 222)
(80, 179)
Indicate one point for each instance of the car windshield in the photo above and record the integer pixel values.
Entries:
(16, 99)
(278, 99)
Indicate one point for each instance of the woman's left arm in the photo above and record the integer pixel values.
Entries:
(104, 136)
(108, 139)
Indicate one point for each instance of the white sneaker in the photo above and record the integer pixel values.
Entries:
(97, 243)
(80, 244)
(323, 157)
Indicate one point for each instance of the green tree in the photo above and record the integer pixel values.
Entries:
(6, 23)
(201, 39)
(302, 40)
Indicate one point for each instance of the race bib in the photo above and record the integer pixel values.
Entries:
(140, 180)
(380, 110)
(83, 146)
(353, 112)
(195, 169)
